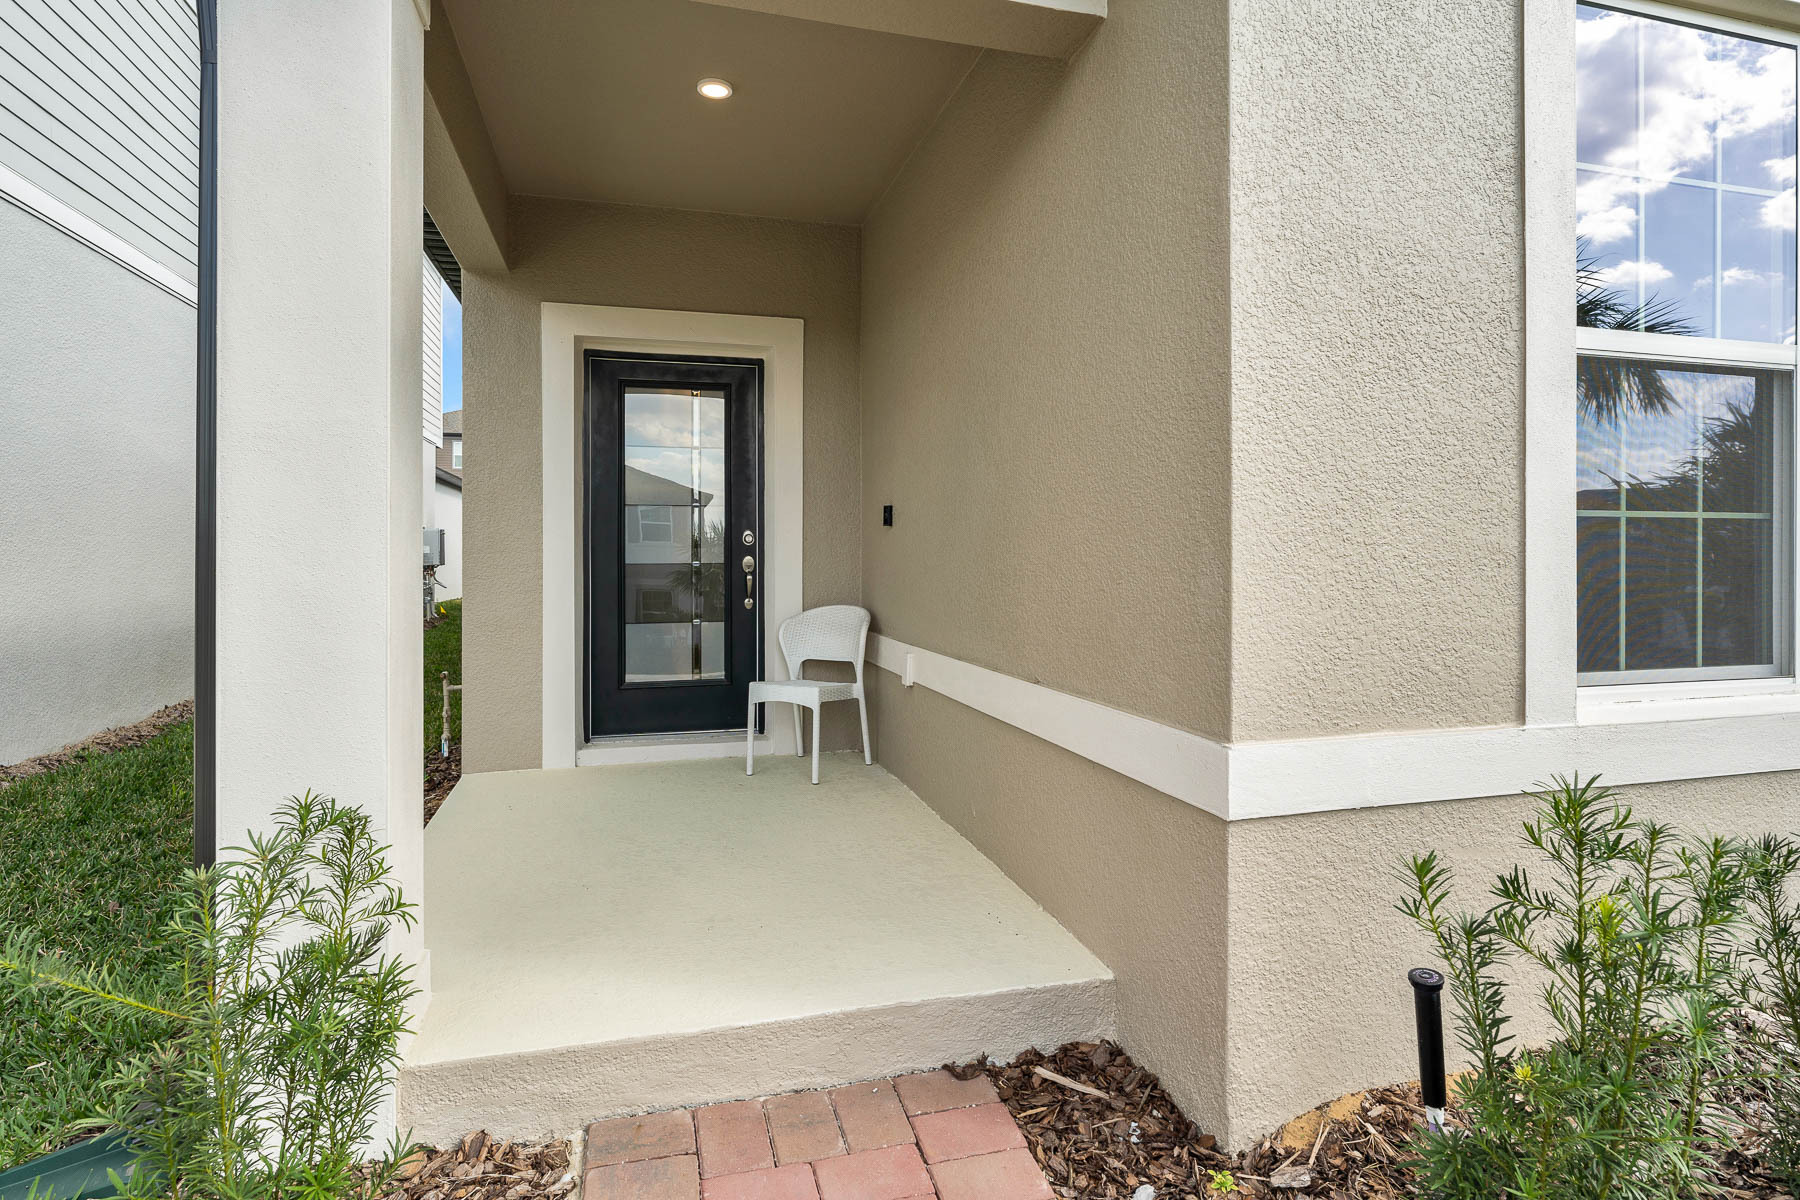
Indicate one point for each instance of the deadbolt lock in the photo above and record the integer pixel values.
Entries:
(749, 538)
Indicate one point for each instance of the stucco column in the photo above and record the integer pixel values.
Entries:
(319, 652)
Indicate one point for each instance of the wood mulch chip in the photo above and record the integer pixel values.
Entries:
(106, 740)
(1102, 1127)
(441, 775)
(480, 1168)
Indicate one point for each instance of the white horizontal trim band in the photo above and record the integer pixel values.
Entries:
(27, 195)
(1182, 764)
(1248, 780)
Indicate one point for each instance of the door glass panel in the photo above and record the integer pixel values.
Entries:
(674, 543)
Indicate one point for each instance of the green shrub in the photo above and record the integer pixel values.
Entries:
(279, 1041)
(1641, 939)
(1772, 984)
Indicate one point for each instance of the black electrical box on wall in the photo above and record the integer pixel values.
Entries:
(887, 514)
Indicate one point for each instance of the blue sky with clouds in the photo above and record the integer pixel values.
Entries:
(1686, 185)
(452, 350)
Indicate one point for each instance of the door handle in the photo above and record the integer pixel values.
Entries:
(749, 581)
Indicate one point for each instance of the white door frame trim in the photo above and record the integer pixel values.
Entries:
(569, 329)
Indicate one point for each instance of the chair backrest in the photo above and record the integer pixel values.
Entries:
(835, 633)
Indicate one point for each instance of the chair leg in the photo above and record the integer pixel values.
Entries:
(816, 709)
(799, 742)
(862, 707)
(750, 741)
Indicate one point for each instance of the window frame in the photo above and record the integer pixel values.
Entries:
(456, 453)
(1603, 687)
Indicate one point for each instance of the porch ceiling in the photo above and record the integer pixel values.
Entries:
(597, 102)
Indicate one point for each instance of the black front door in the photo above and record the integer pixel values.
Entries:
(674, 541)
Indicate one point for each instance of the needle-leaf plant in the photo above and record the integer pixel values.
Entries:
(1640, 943)
(280, 1039)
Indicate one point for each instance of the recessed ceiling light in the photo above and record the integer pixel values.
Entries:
(714, 89)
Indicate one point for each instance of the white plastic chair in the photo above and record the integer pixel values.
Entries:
(835, 633)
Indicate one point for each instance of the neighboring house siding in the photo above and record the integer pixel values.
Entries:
(99, 108)
(96, 484)
(448, 502)
(433, 354)
(99, 127)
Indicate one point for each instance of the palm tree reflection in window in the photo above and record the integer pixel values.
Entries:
(703, 592)
(1609, 387)
(1676, 499)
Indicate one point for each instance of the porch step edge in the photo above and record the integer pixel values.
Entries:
(553, 1092)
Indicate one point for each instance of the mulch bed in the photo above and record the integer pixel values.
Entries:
(479, 1168)
(1107, 1146)
(441, 775)
(107, 740)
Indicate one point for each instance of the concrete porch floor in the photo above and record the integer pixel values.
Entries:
(622, 939)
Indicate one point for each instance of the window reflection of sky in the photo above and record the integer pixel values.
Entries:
(678, 437)
(1686, 140)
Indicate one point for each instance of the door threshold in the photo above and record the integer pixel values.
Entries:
(666, 747)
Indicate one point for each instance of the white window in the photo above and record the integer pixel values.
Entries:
(650, 523)
(456, 453)
(1685, 311)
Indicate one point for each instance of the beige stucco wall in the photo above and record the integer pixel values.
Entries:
(1197, 393)
(1376, 359)
(1044, 381)
(1319, 1003)
(1137, 876)
(575, 253)
(1044, 372)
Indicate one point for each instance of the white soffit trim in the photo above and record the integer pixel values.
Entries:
(1248, 780)
(20, 191)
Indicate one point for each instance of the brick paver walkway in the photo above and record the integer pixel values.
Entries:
(909, 1138)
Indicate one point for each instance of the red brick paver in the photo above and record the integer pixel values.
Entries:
(917, 1137)
(1008, 1175)
(648, 1179)
(803, 1127)
(870, 1115)
(793, 1182)
(733, 1138)
(966, 1132)
(631, 1139)
(891, 1174)
(935, 1091)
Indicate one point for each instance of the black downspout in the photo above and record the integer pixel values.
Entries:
(206, 455)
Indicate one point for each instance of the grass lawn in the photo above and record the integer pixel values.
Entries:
(443, 652)
(93, 853)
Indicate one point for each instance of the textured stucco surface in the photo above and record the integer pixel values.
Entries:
(96, 488)
(320, 377)
(575, 253)
(1376, 357)
(1137, 876)
(1319, 1003)
(716, 936)
(1044, 372)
